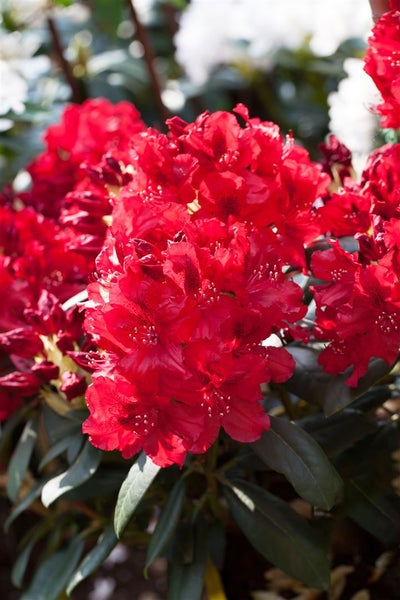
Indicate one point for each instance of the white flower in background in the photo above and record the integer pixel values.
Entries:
(18, 67)
(13, 90)
(220, 32)
(351, 117)
(24, 12)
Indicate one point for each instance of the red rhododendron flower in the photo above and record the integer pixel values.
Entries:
(367, 325)
(382, 63)
(14, 387)
(86, 132)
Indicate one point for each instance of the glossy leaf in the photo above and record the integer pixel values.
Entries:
(167, 521)
(53, 574)
(331, 392)
(7, 432)
(340, 431)
(281, 535)
(134, 487)
(59, 448)
(377, 513)
(26, 501)
(105, 544)
(83, 468)
(186, 577)
(21, 563)
(288, 449)
(20, 459)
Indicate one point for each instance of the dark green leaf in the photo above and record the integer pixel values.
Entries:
(288, 449)
(340, 431)
(136, 484)
(186, 578)
(58, 427)
(7, 433)
(83, 468)
(59, 448)
(106, 542)
(74, 448)
(53, 574)
(20, 565)
(25, 502)
(105, 482)
(281, 535)
(78, 416)
(331, 392)
(375, 512)
(20, 459)
(167, 521)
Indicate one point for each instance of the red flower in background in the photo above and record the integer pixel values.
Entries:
(382, 63)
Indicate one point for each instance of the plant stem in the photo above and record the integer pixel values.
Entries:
(76, 92)
(144, 39)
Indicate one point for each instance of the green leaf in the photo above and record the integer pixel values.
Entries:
(83, 468)
(59, 448)
(7, 433)
(377, 513)
(74, 448)
(288, 449)
(20, 459)
(53, 574)
(58, 427)
(105, 482)
(338, 432)
(167, 521)
(281, 535)
(331, 392)
(21, 563)
(134, 487)
(106, 542)
(178, 4)
(62, 2)
(26, 501)
(108, 15)
(186, 578)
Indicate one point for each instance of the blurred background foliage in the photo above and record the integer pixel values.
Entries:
(172, 57)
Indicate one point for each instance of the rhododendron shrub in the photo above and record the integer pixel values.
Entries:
(209, 300)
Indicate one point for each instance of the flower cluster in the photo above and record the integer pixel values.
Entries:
(192, 278)
(49, 237)
(192, 241)
(358, 309)
(382, 64)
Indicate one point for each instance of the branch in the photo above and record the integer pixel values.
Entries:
(76, 90)
(144, 39)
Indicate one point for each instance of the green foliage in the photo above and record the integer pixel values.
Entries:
(105, 544)
(54, 573)
(187, 565)
(288, 449)
(167, 521)
(20, 459)
(82, 469)
(330, 447)
(134, 487)
(279, 533)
